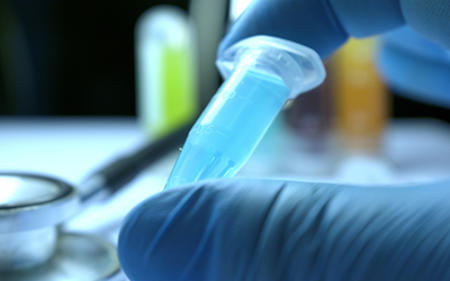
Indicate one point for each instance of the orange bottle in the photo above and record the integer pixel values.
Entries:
(361, 98)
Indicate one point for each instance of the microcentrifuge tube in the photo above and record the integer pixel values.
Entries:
(261, 74)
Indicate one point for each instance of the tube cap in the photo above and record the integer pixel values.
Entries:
(299, 66)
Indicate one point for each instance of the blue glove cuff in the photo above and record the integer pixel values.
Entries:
(416, 67)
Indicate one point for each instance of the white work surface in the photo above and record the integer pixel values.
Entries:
(70, 148)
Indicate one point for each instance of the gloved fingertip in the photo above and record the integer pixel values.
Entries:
(138, 233)
(224, 44)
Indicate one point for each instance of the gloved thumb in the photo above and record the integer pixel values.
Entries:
(274, 230)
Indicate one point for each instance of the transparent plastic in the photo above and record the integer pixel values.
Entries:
(299, 66)
(261, 74)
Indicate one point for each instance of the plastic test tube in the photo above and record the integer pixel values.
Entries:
(261, 74)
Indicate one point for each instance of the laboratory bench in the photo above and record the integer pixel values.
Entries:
(414, 150)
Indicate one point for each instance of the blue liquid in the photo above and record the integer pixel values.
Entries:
(230, 128)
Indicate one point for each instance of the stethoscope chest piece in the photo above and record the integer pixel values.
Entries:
(32, 247)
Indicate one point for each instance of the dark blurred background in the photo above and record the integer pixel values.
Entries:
(77, 58)
(69, 57)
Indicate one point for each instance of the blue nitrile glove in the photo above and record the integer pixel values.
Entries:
(257, 230)
(271, 230)
(324, 25)
(415, 67)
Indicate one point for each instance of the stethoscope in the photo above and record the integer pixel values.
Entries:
(33, 207)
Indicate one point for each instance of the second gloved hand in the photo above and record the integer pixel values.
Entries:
(324, 25)
(272, 230)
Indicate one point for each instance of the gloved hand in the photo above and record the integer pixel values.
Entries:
(324, 25)
(272, 230)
